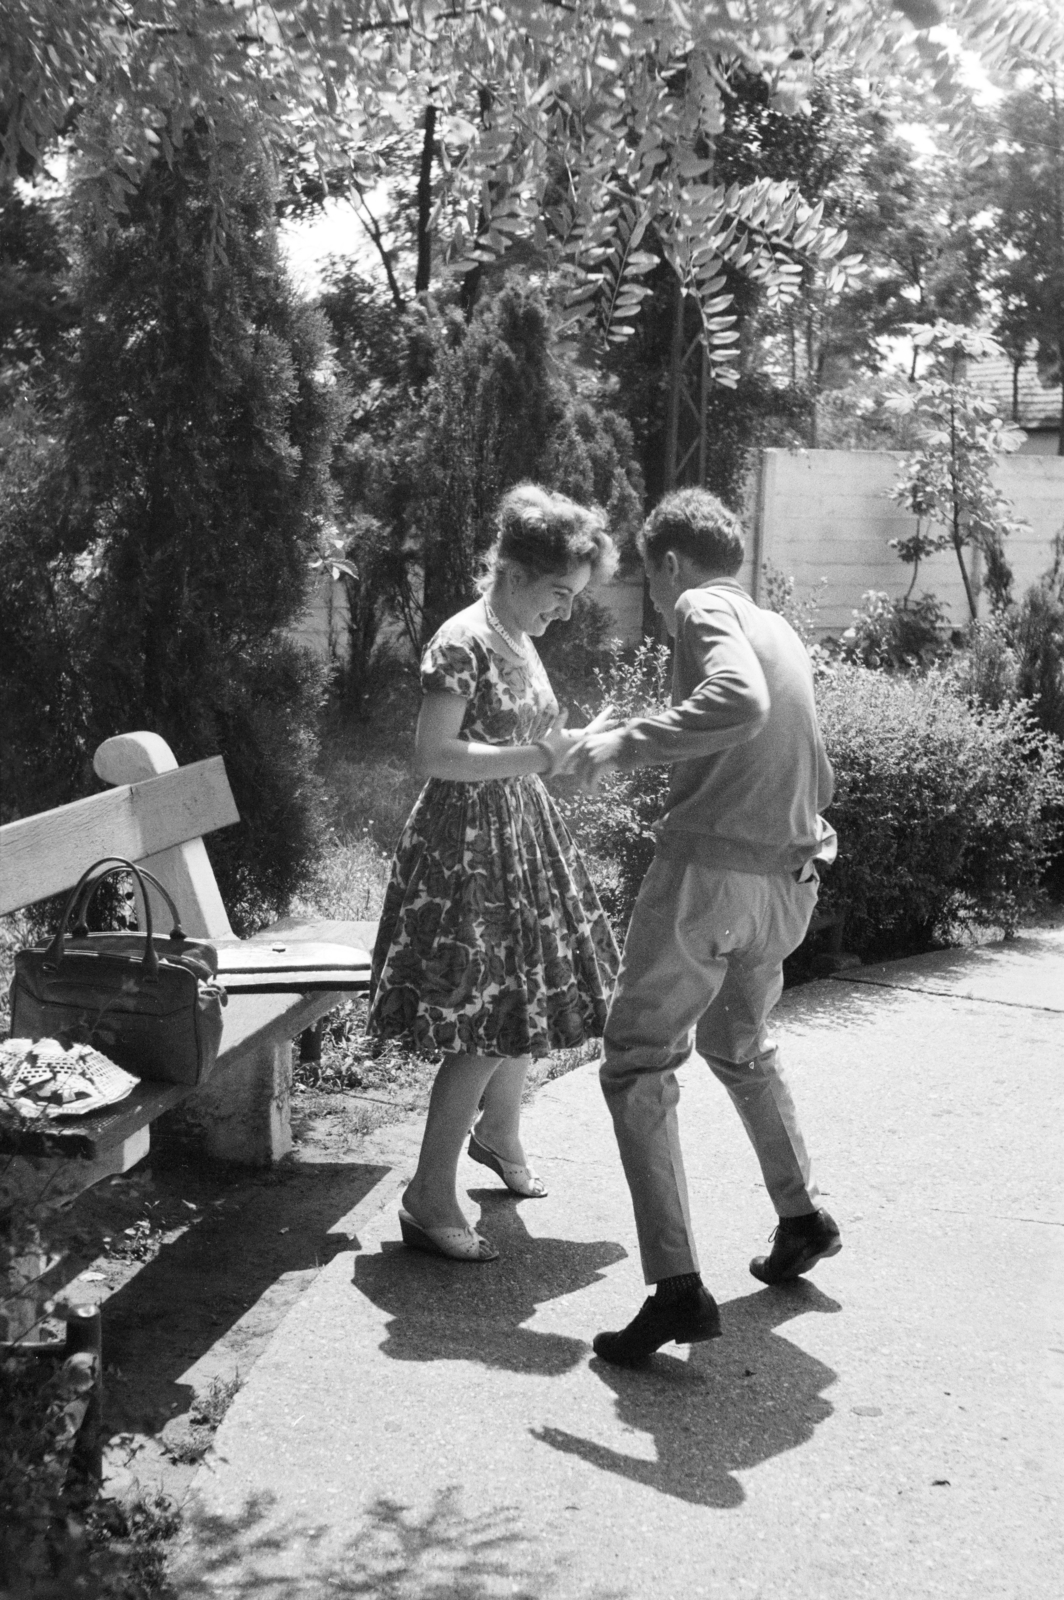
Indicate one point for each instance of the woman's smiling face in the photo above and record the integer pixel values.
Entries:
(537, 602)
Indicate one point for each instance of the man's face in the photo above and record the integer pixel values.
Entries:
(664, 587)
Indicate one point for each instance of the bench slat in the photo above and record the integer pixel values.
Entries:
(44, 854)
(91, 1135)
(251, 1021)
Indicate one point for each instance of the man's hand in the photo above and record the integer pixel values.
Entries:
(606, 719)
(594, 755)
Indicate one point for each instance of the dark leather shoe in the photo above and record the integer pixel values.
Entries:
(799, 1243)
(689, 1320)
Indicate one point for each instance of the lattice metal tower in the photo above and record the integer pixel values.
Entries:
(689, 379)
(686, 443)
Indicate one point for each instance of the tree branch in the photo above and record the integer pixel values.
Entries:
(373, 228)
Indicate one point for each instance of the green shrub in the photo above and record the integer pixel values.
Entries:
(1018, 656)
(896, 635)
(778, 594)
(1038, 633)
(944, 811)
(985, 671)
(614, 827)
(58, 1538)
(947, 814)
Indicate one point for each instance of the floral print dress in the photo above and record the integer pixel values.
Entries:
(492, 939)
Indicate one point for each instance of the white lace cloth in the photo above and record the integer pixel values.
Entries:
(42, 1077)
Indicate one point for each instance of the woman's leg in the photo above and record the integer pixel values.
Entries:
(498, 1127)
(456, 1094)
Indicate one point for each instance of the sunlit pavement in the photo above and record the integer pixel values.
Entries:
(890, 1426)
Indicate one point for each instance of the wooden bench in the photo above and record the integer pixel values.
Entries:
(157, 814)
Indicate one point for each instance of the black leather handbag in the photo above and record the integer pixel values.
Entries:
(150, 1004)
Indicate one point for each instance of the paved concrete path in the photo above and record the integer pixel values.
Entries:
(890, 1428)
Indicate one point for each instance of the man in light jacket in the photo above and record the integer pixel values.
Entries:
(730, 893)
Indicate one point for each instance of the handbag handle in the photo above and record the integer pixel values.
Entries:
(88, 883)
(108, 867)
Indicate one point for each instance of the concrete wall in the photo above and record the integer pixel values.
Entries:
(322, 627)
(824, 517)
(623, 598)
(1043, 442)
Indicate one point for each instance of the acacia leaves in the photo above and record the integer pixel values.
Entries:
(603, 111)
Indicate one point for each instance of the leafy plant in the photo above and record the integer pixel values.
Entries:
(896, 635)
(777, 594)
(946, 482)
(614, 826)
(59, 1539)
(946, 814)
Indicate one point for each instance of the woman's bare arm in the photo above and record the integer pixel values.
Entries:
(440, 753)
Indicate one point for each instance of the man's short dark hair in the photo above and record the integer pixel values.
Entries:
(694, 523)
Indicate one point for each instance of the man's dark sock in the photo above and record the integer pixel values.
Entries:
(806, 1223)
(681, 1287)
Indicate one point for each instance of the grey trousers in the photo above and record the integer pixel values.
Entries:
(702, 967)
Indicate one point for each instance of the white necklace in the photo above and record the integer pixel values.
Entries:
(507, 638)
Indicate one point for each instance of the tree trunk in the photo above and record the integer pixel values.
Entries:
(424, 204)
(955, 529)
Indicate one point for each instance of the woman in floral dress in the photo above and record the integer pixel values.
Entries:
(492, 946)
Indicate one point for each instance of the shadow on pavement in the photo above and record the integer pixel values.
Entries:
(253, 1249)
(388, 1552)
(732, 1405)
(448, 1310)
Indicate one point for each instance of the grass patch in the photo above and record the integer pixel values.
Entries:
(352, 1063)
(190, 1443)
(349, 882)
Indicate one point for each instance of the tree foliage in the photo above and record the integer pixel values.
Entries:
(36, 306)
(947, 481)
(574, 126)
(170, 542)
(1028, 190)
(462, 411)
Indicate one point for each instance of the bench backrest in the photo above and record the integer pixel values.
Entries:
(157, 814)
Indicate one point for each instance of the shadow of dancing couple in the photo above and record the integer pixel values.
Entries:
(759, 1396)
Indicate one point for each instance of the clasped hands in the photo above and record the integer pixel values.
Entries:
(587, 754)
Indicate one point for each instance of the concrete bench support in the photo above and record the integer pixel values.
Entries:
(242, 1113)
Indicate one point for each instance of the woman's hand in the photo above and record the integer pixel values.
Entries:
(560, 742)
(566, 744)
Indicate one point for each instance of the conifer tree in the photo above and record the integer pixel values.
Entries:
(202, 413)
